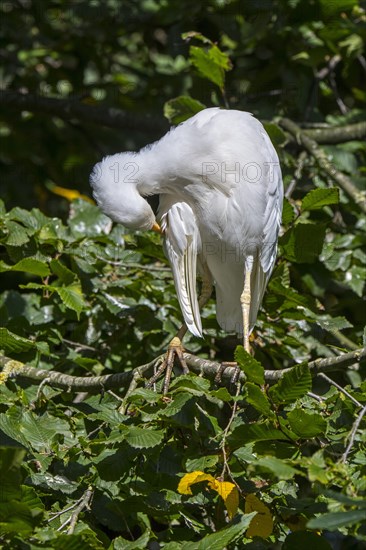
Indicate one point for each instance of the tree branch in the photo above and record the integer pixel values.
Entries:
(337, 134)
(320, 156)
(198, 365)
(73, 108)
(116, 118)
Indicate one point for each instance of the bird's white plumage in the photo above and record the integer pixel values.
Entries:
(220, 187)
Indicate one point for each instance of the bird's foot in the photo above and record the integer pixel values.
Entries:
(223, 366)
(175, 350)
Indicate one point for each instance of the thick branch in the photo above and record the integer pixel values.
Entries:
(73, 108)
(198, 365)
(338, 134)
(319, 154)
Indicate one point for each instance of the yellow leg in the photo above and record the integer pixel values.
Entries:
(245, 300)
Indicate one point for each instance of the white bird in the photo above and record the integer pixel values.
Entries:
(220, 191)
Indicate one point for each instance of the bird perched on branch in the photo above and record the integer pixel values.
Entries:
(220, 202)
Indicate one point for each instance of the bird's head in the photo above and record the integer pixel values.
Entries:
(115, 182)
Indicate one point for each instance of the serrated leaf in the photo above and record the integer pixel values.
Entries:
(17, 235)
(305, 424)
(40, 430)
(181, 108)
(251, 367)
(294, 384)
(317, 198)
(332, 323)
(54, 482)
(10, 427)
(72, 297)
(262, 523)
(143, 438)
(180, 399)
(27, 265)
(12, 343)
(288, 212)
(211, 64)
(65, 275)
(220, 539)
(303, 243)
(255, 397)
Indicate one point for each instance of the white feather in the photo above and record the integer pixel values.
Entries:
(220, 187)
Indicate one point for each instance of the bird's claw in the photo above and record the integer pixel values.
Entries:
(175, 349)
(224, 365)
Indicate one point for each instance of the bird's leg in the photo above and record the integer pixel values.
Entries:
(175, 348)
(245, 300)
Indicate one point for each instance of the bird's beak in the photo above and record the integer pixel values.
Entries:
(156, 227)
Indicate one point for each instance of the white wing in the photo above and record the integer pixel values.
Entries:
(181, 245)
(264, 264)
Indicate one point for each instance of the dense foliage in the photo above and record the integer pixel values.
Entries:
(91, 458)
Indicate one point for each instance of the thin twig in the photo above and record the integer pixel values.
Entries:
(353, 434)
(315, 396)
(79, 346)
(297, 174)
(84, 503)
(58, 514)
(342, 390)
(226, 467)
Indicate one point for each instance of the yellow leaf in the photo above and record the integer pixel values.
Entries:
(262, 524)
(69, 194)
(184, 487)
(297, 522)
(230, 495)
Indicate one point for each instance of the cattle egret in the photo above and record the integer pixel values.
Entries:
(220, 202)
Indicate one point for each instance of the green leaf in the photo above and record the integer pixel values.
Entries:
(144, 438)
(181, 108)
(211, 64)
(305, 424)
(255, 397)
(317, 198)
(17, 235)
(65, 275)
(288, 213)
(278, 467)
(355, 278)
(10, 426)
(277, 135)
(72, 297)
(332, 323)
(334, 520)
(254, 432)
(294, 384)
(220, 539)
(303, 540)
(303, 243)
(12, 343)
(251, 367)
(27, 265)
